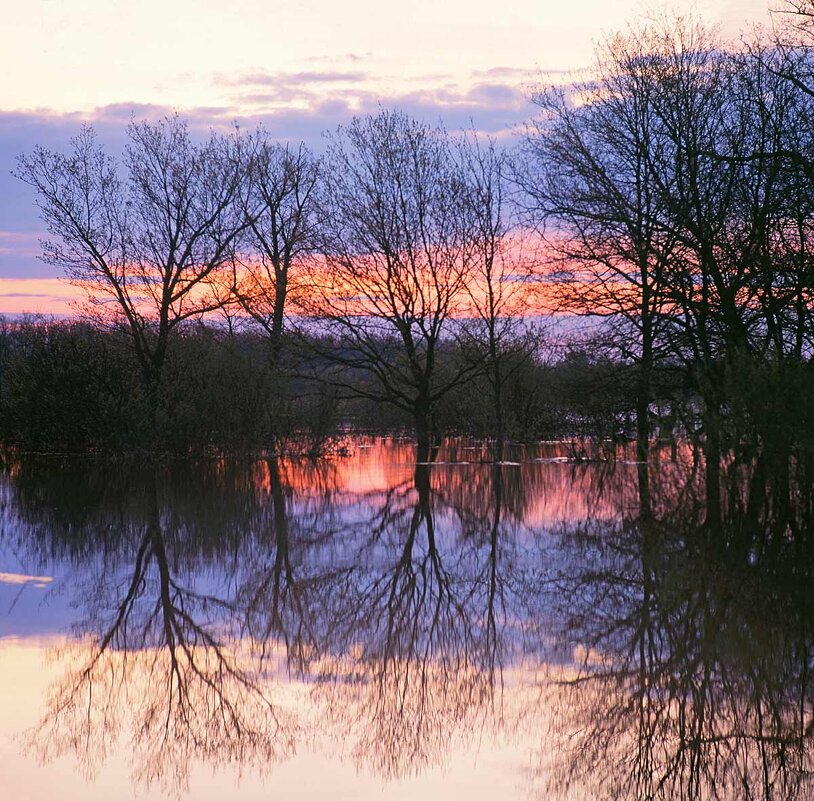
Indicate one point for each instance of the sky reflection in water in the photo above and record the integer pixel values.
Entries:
(365, 627)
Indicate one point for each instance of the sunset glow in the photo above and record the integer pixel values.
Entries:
(300, 69)
(37, 296)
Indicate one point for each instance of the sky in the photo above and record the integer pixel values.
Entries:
(300, 67)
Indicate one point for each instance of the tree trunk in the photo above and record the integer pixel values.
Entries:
(500, 432)
(712, 466)
(643, 389)
(276, 333)
(643, 430)
(423, 429)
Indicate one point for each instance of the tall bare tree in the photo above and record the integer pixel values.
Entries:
(145, 239)
(399, 251)
(587, 179)
(280, 209)
(493, 327)
(675, 194)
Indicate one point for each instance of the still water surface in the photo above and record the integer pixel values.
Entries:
(365, 627)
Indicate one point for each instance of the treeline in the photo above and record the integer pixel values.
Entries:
(672, 194)
(69, 386)
(679, 190)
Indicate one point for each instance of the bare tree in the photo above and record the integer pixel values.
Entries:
(779, 90)
(399, 251)
(499, 290)
(588, 180)
(674, 189)
(145, 245)
(281, 213)
(725, 182)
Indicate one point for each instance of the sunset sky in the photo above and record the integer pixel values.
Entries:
(300, 67)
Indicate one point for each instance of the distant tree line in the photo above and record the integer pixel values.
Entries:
(245, 292)
(70, 386)
(679, 188)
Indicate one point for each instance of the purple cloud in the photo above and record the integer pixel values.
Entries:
(312, 78)
(292, 107)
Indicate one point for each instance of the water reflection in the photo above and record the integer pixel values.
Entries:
(696, 634)
(155, 650)
(392, 612)
(410, 634)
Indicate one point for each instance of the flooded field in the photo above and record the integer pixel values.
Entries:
(363, 626)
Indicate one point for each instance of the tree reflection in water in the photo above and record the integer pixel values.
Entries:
(231, 611)
(154, 653)
(412, 635)
(696, 634)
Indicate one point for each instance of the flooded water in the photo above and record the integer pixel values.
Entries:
(364, 627)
